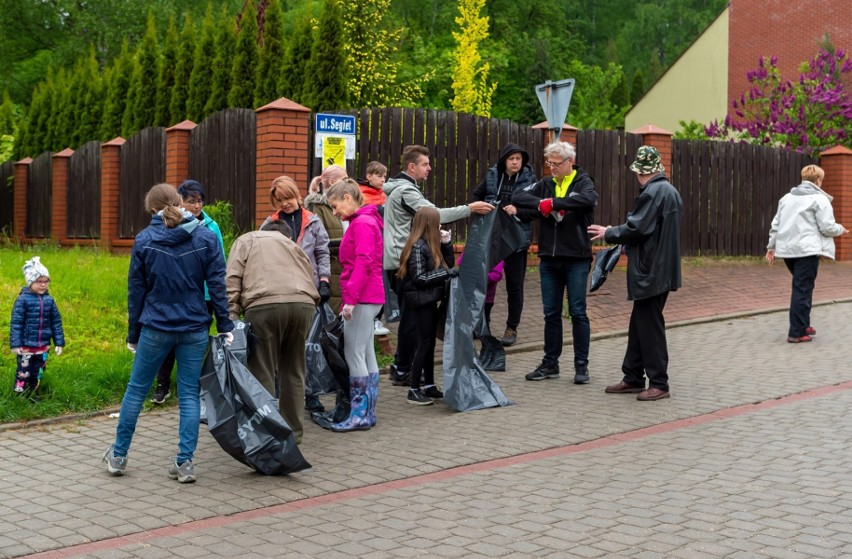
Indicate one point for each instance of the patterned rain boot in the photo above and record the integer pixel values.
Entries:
(360, 402)
(373, 393)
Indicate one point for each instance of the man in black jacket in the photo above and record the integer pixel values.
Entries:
(652, 235)
(512, 172)
(564, 203)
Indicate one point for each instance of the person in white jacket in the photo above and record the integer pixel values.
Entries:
(802, 230)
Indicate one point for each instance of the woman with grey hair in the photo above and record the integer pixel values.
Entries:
(564, 203)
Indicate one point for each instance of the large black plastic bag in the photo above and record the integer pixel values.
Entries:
(605, 261)
(318, 376)
(331, 340)
(467, 386)
(243, 417)
(240, 348)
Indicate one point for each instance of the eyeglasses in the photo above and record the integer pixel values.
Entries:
(43, 282)
(193, 202)
(556, 163)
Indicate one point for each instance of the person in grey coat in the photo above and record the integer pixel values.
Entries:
(652, 236)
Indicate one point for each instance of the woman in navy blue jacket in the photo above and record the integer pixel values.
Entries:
(172, 259)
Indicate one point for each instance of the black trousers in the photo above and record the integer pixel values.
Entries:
(804, 272)
(647, 351)
(406, 342)
(515, 270)
(426, 321)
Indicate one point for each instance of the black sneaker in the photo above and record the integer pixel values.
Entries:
(399, 378)
(581, 374)
(433, 392)
(160, 394)
(416, 397)
(543, 371)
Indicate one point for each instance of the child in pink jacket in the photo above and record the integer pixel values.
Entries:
(362, 294)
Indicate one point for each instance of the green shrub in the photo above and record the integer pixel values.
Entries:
(222, 213)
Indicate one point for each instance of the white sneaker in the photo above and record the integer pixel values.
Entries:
(379, 329)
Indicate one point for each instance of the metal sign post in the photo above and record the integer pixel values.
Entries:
(555, 97)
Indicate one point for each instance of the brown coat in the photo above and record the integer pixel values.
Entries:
(265, 267)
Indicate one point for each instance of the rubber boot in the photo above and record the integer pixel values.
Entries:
(497, 361)
(360, 404)
(373, 394)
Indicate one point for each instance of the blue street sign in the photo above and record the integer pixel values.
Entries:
(335, 124)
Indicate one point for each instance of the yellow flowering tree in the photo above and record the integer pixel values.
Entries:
(471, 91)
(373, 74)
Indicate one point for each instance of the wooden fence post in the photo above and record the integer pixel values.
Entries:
(59, 198)
(110, 190)
(22, 179)
(837, 164)
(283, 132)
(177, 152)
(659, 138)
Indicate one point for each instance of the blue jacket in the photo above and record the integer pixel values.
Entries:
(165, 284)
(35, 321)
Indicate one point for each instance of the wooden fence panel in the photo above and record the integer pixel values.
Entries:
(7, 196)
(84, 192)
(222, 157)
(40, 196)
(143, 164)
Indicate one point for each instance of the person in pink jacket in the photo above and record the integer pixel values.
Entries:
(362, 294)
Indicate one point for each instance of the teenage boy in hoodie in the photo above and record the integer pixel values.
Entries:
(512, 172)
(404, 198)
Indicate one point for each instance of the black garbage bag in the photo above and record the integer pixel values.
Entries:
(467, 386)
(318, 376)
(331, 340)
(605, 261)
(240, 348)
(244, 418)
(492, 357)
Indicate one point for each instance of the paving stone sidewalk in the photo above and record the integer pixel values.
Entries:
(567, 471)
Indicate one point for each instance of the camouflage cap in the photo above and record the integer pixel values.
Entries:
(647, 161)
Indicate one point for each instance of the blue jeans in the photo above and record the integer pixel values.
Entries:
(152, 349)
(556, 277)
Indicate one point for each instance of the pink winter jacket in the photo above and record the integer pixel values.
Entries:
(361, 258)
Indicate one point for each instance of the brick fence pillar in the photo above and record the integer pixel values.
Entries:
(19, 197)
(110, 190)
(837, 163)
(177, 152)
(59, 198)
(659, 138)
(283, 133)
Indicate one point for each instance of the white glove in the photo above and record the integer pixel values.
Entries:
(228, 337)
(131, 347)
(18, 350)
(347, 311)
(445, 236)
(58, 350)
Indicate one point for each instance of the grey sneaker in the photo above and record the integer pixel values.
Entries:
(544, 371)
(581, 374)
(115, 464)
(160, 394)
(184, 473)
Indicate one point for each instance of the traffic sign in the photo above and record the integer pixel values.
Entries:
(335, 124)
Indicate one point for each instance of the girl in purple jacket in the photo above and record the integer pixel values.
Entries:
(362, 295)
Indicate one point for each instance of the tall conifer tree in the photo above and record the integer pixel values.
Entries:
(166, 80)
(226, 42)
(244, 66)
(199, 82)
(292, 79)
(325, 77)
(143, 86)
(116, 97)
(272, 55)
(183, 71)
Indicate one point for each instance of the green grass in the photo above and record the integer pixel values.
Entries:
(90, 289)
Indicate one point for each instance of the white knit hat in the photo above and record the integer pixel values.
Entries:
(34, 269)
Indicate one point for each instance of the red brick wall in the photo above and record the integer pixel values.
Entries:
(59, 197)
(177, 152)
(110, 188)
(282, 149)
(22, 177)
(837, 164)
(789, 30)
